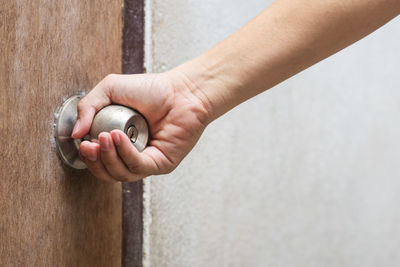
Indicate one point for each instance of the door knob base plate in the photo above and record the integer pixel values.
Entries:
(68, 147)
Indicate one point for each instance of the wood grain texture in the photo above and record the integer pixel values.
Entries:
(133, 62)
(49, 215)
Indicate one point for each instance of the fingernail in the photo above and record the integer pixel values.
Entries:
(116, 138)
(92, 157)
(105, 143)
(76, 127)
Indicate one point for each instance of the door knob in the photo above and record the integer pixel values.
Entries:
(107, 119)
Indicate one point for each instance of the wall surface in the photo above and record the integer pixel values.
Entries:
(306, 174)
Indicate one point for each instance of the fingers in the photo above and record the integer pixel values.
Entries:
(113, 158)
(104, 161)
(112, 161)
(90, 155)
(99, 97)
(135, 161)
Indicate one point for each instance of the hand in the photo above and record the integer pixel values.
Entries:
(176, 117)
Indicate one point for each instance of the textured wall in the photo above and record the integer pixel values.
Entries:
(305, 174)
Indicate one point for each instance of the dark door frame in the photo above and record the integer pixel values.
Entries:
(132, 193)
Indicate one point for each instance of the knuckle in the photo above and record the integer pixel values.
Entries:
(110, 78)
(81, 105)
(121, 177)
(168, 169)
(111, 165)
(133, 166)
(107, 159)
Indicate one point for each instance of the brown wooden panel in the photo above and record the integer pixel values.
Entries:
(49, 215)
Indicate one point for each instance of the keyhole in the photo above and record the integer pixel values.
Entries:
(132, 133)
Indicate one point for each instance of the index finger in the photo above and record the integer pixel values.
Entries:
(95, 100)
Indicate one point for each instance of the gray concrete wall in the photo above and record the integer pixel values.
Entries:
(305, 174)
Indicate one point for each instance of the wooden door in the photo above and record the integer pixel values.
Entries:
(51, 215)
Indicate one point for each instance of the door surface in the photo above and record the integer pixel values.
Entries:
(50, 215)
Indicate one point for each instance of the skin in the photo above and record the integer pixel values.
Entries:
(284, 39)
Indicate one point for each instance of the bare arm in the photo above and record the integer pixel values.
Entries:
(286, 38)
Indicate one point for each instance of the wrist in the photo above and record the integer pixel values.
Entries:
(210, 82)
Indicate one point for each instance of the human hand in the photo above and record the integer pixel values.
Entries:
(176, 118)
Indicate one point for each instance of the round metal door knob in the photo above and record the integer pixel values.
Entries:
(107, 119)
(114, 117)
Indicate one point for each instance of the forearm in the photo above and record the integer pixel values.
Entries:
(286, 38)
